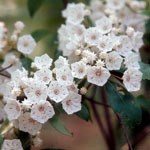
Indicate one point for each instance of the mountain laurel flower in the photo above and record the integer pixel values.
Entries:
(97, 75)
(79, 69)
(92, 36)
(36, 92)
(88, 56)
(57, 91)
(125, 46)
(132, 60)
(42, 111)
(64, 75)
(43, 61)
(60, 62)
(104, 25)
(132, 79)
(74, 13)
(113, 61)
(12, 109)
(43, 75)
(115, 4)
(26, 44)
(14, 144)
(105, 44)
(11, 59)
(72, 103)
(27, 124)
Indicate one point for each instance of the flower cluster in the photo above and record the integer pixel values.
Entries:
(30, 98)
(123, 13)
(96, 51)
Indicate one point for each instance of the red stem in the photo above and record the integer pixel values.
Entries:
(108, 119)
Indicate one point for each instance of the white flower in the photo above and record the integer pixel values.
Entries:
(77, 30)
(60, 62)
(104, 25)
(12, 109)
(18, 75)
(74, 13)
(43, 61)
(125, 45)
(88, 56)
(26, 44)
(14, 144)
(100, 63)
(64, 75)
(97, 75)
(44, 75)
(72, 103)
(27, 124)
(113, 61)
(105, 43)
(116, 4)
(132, 60)
(137, 41)
(132, 79)
(11, 59)
(42, 111)
(79, 69)
(92, 36)
(73, 87)
(36, 92)
(57, 91)
(3, 115)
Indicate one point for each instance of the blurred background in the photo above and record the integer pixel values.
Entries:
(86, 135)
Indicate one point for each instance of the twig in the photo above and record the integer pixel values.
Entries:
(108, 120)
(7, 76)
(101, 127)
(125, 132)
(1, 70)
(140, 136)
(95, 102)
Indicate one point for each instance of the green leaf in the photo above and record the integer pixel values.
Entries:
(145, 69)
(143, 102)
(26, 63)
(147, 25)
(124, 105)
(1, 140)
(39, 34)
(84, 113)
(59, 125)
(34, 5)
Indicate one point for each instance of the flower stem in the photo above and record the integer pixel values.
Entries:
(108, 120)
(125, 132)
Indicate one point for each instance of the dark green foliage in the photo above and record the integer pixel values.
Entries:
(145, 69)
(39, 34)
(1, 140)
(84, 113)
(34, 5)
(59, 125)
(26, 63)
(124, 105)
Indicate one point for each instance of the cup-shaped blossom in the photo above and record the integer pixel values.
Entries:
(26, 44)
(72, 103)
(42, 111)
(57, 91)
(27, 124)
(97, 75)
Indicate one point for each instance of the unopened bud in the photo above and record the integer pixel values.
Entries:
(130, 31)
(83, 90)
(78, 52)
